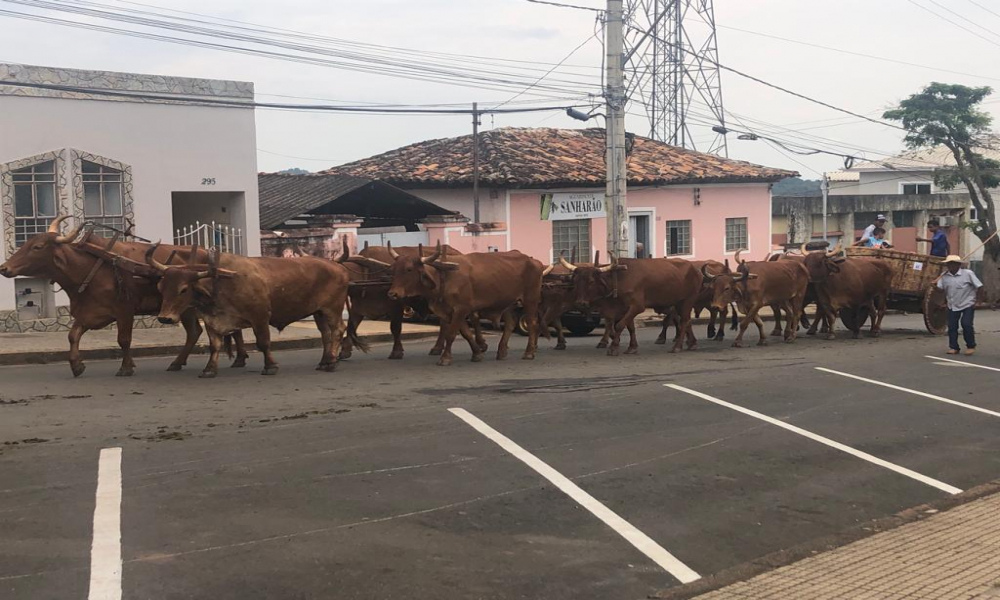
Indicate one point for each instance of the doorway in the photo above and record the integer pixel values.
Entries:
(639, 240)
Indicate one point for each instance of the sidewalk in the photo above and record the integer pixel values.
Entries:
(939, 555)
(26, 348)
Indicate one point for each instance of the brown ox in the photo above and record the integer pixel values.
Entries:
(809, 299)
(759, 284)
(369, 297)
(256, 293)
(716, 317)
(849, 283)
(626, 287)
(558, 298)
(109, 297)
(488, 283)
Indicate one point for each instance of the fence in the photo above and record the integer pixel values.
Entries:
(224, 237)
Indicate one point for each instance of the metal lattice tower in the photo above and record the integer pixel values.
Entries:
(672, 71)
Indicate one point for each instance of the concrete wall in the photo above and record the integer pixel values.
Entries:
(169, 147)
(492, 202)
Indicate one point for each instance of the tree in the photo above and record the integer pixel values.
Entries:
(949, 115)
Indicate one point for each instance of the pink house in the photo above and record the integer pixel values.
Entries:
(542, 192)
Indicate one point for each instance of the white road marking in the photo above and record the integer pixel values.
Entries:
(914, 392)
(640, 540)
(827, 441)
(960, 362)
(106, 550)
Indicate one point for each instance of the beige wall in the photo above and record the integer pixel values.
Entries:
(169, 147)
(491, 210)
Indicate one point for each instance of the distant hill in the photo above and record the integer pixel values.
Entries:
(295, 171)
(796, 186)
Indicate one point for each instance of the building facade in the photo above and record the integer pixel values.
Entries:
(120, 150)
(542, 192)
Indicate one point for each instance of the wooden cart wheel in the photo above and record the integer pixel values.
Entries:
(850, 316)
(935, 309)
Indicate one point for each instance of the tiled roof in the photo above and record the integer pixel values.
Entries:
(284, 197)
(548, 158)
(927, 159)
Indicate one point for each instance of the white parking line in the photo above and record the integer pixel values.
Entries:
(827, 441)
(914, 392)
(640, 540)
(960, 362)
(106, 549)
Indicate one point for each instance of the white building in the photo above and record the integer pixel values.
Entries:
(121, 157)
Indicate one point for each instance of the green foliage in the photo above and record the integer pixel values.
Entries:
(948, 178)
(796, 186)
(294, 171)
(943, 114)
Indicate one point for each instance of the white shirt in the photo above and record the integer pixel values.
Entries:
(869, 232)
(960, 288)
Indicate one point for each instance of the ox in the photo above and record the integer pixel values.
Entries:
(255, 293)
(716, 317)
(110, 296)
(488, 283)
(755, 285)
(810, 299)
(369, 296)
(625, 288)
(558, 298)
(849, 283)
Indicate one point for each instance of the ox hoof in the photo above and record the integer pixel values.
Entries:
(483, 347)
(632, 351)
(737, 344)
(762, 342)
(660, 341)
(329, 368)
(811, 332)
(560, 346)
(478, 357)
(78, 369)
(435, 352)
(776, 333)
(711, 332)
(831, 336)
(875, 334)
(269, 371)
(612, 351)
(344, 355)
(396, 355)
(175, 367)
(528, 356)
(789, 340)
(239, 363)
(602, 344)
(502, 355)
(693, 347)
(444, 362)
(125, 372)
(208, 375)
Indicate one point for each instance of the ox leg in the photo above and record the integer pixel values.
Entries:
(776, 309)
(508, 328)
(626, 322)
(125, 343)
(396, 327)
(263, 334)
(326, 362)
(662, 338)
(450, 330)
(560, 334)
(438, 347)
(793, 312)
(760, 328)
(241, 350)
(608, 328)
(75, 333)
(830, 318)
(470, 337)
(215, 343)
(881, 304)
(193, 330)
(744, 323)
(354, 319)
(713, 317)
(477, 328)
(633, 342)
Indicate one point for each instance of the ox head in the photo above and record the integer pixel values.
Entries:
(182, 286)
(821, 263)
(412, 275)
(591, 282)
(41, 254)
(728, 286)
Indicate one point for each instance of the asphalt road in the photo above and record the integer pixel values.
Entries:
(362, 484)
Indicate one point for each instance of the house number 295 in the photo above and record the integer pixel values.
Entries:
(208, 181)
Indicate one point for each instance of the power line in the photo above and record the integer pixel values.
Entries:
(984, 8)
(561, 5)
(547, 73)
(197, 101)
(947, 20)
(854, 53)
(967, 20)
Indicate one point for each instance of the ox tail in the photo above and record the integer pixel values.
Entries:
(736, 319)
(227, 345)
(352, 332)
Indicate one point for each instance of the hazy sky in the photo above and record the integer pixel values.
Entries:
(517, 29)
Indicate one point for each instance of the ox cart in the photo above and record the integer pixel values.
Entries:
(914, 288)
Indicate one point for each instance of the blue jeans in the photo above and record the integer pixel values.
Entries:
(968, 332)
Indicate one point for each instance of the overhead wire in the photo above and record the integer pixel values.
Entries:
(947, 20)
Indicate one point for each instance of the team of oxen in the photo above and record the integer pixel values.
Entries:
(113, 281)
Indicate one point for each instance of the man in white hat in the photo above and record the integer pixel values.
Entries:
(961, 287)
(870, 230)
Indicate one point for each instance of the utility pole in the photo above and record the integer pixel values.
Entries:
(825, 187)
(475, 165)
(614, 97)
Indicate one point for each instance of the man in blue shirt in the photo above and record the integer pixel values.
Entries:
(938, 240)
(961, 287)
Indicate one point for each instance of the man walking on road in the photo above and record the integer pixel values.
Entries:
(961, 287)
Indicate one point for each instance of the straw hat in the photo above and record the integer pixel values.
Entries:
(953, 258)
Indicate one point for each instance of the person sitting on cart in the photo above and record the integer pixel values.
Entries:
(938, 240)
(961, 288)
(870, 230)
(877, 240)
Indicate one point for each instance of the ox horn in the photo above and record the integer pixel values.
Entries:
(802, 249)
(837, 249)
(152, 261)
(572, 255)
(433, 257)
(597, 257)
(370, 263)
(392, 253)
(737, 257)
(548, 269)
(57, 223)
(606, 268)
(347, 251)
(708, 276)
(69, 237)
(562, 260)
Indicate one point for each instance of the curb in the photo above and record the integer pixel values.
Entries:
(56, 356)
